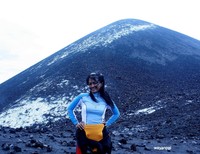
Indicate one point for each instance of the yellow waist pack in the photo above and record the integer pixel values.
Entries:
(94, 131)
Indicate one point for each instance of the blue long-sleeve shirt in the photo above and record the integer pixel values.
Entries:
(92, 112)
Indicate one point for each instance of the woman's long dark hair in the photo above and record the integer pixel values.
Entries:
(104, 94)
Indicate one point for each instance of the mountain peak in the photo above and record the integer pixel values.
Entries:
(105, 36)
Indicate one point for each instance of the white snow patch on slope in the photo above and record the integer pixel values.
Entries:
(149, 110)
(33, 112)
(146, 110)
(127, 29)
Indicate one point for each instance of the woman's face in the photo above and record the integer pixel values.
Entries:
(94, 85)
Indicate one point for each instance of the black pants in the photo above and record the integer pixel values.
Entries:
(103, 146)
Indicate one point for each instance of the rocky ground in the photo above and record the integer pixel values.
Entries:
(58, 138)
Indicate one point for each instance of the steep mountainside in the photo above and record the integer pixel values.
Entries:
(151, 72)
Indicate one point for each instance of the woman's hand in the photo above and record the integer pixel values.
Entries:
(80, 125)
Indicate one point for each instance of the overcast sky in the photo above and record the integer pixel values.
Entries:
(31, 30)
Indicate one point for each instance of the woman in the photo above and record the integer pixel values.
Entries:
(91, 130)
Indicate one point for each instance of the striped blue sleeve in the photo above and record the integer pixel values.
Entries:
(114, 117)
(72, 106)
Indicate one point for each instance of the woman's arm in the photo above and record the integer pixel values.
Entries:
(71, 108)
(114, 117)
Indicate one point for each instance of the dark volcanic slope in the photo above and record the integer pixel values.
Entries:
(146, 67)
